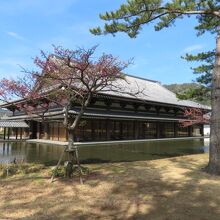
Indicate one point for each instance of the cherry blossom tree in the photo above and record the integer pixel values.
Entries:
(194, 116)
(64, 78)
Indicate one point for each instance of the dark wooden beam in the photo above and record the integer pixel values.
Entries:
(147, 107)
(123, 104)
(136, 106)
(158, 108)
(167, 109)
(93, 101)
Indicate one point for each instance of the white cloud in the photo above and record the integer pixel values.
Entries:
(193, 48)
(14, 35)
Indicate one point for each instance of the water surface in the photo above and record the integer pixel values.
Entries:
(49, 154)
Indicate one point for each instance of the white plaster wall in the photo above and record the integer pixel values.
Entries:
(206, 130)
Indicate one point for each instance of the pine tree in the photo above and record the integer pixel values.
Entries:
(204, 79)
(132, 15)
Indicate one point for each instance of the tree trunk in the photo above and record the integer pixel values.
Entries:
(70, 138)
(214, 151)
(71, 130)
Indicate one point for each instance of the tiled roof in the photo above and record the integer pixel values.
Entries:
(13, 124)
(149, 91)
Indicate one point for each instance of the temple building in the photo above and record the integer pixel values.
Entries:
(153, 114)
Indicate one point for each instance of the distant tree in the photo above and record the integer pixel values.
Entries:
(192, 91)
(201, 94)
(130, 18)
(63, 79)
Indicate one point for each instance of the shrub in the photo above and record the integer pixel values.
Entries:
(61, 171)
(13, 169)
(85, 170)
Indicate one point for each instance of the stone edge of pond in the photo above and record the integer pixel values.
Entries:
(108, 142)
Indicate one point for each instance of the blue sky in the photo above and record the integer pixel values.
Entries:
(28, 26)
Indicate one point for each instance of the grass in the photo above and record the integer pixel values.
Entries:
(21, 168)
(172, 189)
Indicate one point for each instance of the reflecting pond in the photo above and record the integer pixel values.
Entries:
(49, 154)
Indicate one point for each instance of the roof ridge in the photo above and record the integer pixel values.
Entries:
(138, 77)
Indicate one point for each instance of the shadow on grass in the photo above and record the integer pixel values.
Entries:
(158, 190)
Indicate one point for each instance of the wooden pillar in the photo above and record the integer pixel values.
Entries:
(16, 133)
(135, 130)
(46, 130)
(30, 130)
(43, 130)
(190, 131)
(67, 135)
(175, 129)
(53, 129)
(158, 129)
(38, 130)
(8, 133)
(92, 129)
(202, 130)
(58, 128)
(113, 130)
(20, 133)
(121, 128)
(4, 133)
(144, 130)
(108, 130)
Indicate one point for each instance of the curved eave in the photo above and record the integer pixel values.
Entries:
(144, 101)
(10, 106)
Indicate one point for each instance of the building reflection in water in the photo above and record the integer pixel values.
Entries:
(49, 154)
